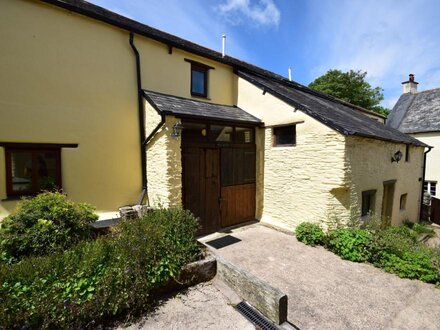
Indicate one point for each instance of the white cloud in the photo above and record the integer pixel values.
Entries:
(189, 19)
(388, 39)
(263, 12)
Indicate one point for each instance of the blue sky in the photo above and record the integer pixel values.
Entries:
(387, 38)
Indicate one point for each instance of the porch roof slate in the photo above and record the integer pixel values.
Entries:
(188, 108)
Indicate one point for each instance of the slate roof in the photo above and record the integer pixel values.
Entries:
(188, 108)
(417, 113)
(335, 113)
(339, 116)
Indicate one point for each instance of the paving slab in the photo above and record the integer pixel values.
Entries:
(326, 292)
(204, 306)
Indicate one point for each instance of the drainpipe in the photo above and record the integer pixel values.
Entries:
(141, 123)
(423, 181)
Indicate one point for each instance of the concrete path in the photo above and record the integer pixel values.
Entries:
(204, 306)
(326, 292)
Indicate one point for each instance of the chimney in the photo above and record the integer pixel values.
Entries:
(410, 86)
(290, 73)
(223, 44)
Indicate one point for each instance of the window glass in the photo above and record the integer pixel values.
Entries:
(433, 188)
(193, 132)
(198, 81)
(284, 136)
(368, 202)
(30, 171)
(430, 187)
(21, 169)
(244, 135)
(47, 170)
(221, 133)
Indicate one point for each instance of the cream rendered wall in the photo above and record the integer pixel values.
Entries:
(301, 183)
(170, 73)
(67, 78)
(370, 165)
(432, 158)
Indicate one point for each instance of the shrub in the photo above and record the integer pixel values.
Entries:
(43, 225)
(416, 263)
(310, 233)
(95, 281)
(397, 250)
(351, 244)
(420, 228)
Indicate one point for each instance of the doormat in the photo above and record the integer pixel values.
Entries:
(221, 242)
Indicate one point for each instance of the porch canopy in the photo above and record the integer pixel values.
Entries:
(191, 109)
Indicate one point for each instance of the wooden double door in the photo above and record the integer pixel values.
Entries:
(219, 185)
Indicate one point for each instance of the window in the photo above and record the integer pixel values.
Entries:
(430, 187)
(284, 136)
(368, 201)
(199, 78)
(403, 201)
(29, 171)
(407, 153)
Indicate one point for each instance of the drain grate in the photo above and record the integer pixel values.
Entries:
(255, 317)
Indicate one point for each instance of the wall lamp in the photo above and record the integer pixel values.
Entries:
(177, 130)
(397, 157)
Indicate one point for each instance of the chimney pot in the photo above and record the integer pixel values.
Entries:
(410, 86)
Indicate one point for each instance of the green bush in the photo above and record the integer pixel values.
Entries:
(351, 243)
(310, 233)
(416, 263)
(95, 281)
(43, 225)
(397, 250)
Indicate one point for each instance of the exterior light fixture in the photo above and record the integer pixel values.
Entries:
(177, 130)
(397, 157)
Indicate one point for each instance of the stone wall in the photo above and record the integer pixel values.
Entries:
(370, 166)
(300, 183)
(164, 164)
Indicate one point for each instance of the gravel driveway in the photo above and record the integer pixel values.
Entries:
(326, 292)
(204, 306)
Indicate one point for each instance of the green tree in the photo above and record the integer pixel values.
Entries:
(352, 87)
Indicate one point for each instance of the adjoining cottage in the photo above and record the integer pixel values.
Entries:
(128, 113)
(418, 114)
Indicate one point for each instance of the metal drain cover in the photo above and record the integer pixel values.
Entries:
(255, 317)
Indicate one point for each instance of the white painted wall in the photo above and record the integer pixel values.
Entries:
(432, 158)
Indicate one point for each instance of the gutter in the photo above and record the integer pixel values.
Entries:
(141, 117)
(423, 181)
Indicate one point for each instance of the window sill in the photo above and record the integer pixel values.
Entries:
(200, 96)
(284, 146)
(15, 198)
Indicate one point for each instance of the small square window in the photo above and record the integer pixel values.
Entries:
(368, 202)
(199, 80)
(430, 187)
(284, 136)
(403, 198)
